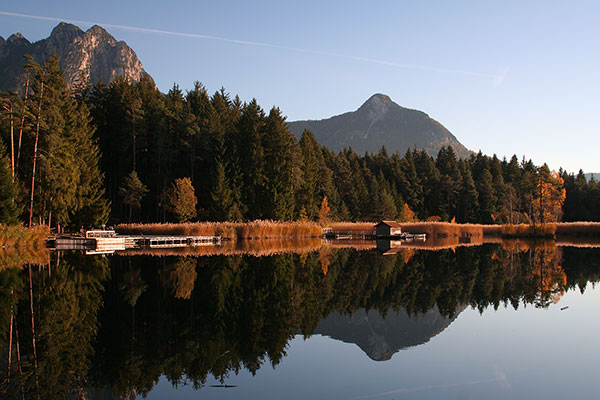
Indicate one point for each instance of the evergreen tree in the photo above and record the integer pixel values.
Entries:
(222, 207)
(450, 180)
(279, 148)
(485, 190)
(132, 191)
(312, 159)
(69, 188)
(468, 208)
(413, 192)
(9, 210)
(251, 130)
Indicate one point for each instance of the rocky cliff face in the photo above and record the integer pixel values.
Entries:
(85, 57)
(381, 122)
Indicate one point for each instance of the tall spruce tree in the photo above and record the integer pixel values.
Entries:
(468, 206)
(9, 210)
(252, 159)
(69, 189)
(279, 151)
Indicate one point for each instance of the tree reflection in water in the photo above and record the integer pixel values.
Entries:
(117, 324)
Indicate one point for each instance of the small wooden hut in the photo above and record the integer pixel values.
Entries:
(388, 228)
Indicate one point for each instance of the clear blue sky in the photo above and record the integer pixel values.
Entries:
(505, 77)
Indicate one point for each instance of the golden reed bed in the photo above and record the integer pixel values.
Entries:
(447, 229)
(233, 230)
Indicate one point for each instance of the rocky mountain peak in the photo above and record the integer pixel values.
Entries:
(100, 33)
(65, 28)
(377, 106)
(381, 122)
(17, 39)
(85, 57)
(65, 33)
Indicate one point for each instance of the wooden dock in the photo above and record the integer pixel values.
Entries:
(104, 242)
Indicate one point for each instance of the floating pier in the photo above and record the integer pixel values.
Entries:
(104, 242)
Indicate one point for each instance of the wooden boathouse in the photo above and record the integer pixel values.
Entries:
(388, 229)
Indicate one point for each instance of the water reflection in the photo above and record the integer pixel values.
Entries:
(78, 324)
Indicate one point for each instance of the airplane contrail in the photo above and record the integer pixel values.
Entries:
(497, 79)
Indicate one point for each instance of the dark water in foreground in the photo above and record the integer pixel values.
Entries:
(491, 321)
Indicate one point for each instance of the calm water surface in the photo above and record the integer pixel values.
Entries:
(492, 321)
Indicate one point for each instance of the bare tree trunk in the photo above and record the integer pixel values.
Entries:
(19, 358)
(22, 122)
(9, 108)
(12, 142)
(134, 146)
(10, 338)
(35, 365)
(37, 134)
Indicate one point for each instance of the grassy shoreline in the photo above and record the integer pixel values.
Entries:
(304, 229)
(259, 229)
(447, 229)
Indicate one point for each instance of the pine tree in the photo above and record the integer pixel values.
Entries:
(309, 193)
(252, 162)
(279, 148)
(91, 207)
(450, 179)
(486, 197)
(132, 191)
(468, 207)
(9, 211)
(222, 199)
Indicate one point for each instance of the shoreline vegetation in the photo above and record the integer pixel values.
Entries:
(20, 246)
(447, 229)
(305, 229)
(259, 229)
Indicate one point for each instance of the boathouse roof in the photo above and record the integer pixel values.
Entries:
(391, 224)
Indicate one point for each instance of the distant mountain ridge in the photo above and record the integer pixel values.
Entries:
(85, 57)
(381, 122)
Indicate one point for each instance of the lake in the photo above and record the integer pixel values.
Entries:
(496, 321)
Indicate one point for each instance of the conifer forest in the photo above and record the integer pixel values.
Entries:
(125, 152)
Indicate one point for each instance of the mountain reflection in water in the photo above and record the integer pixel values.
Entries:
(114, 325)
(381, 336)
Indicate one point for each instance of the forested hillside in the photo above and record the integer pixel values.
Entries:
(130, 151)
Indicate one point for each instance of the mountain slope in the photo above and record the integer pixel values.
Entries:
(381, 122)
(85, 57)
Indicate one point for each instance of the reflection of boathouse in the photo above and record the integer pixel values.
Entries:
(387, 247)
(387, 229)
